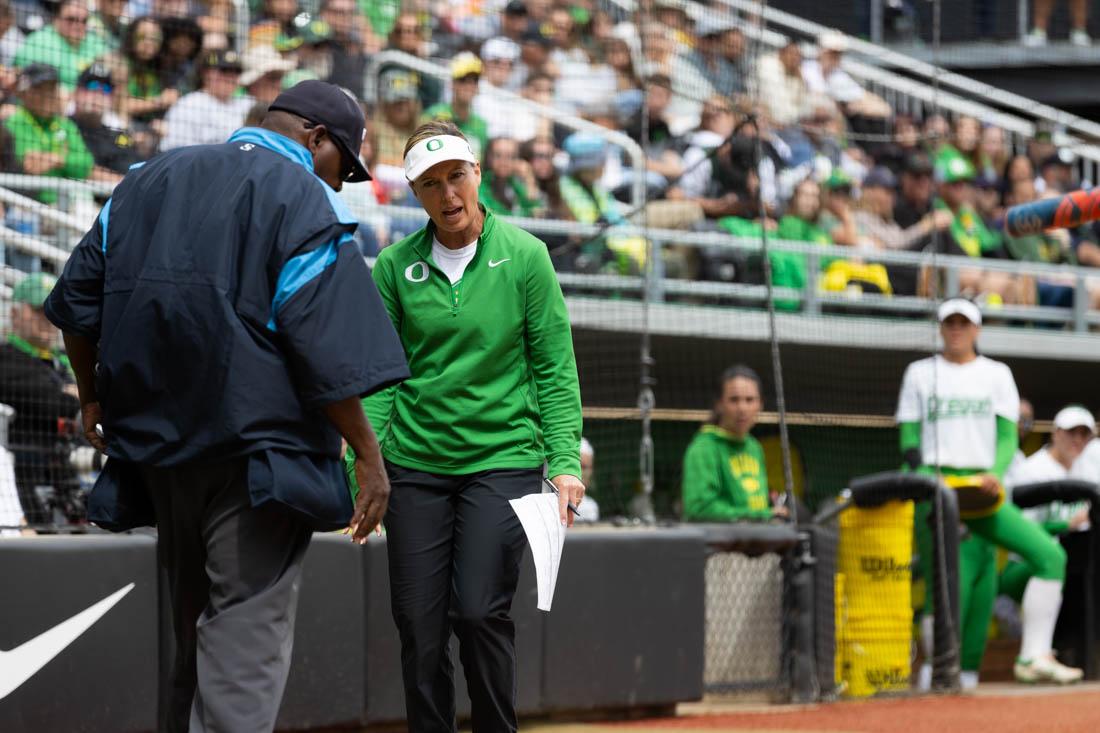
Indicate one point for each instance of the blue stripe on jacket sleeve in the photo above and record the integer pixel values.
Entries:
(300, 270)
(104, 216)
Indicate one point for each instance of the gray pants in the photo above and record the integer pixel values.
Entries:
(232, 575)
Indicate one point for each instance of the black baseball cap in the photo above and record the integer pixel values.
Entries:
(97, 72)
(225, 59)
(326, 104)
(35, 74)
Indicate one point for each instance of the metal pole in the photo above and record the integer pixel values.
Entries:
(876, 21)
(646, 398)
(1021, 19)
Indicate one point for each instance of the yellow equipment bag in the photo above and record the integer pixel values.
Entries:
(874, 629)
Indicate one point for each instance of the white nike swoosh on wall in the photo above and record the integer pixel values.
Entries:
(23, 662)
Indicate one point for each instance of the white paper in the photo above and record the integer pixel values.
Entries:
(538, 513)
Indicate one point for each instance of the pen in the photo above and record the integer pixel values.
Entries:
(568, 504)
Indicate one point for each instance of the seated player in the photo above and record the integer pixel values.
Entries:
(724, 474)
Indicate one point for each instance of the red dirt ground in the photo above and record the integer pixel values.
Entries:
(1057, 712)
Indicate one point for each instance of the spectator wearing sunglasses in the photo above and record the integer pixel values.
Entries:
(211, 114)
(64, 44)
(113, 147)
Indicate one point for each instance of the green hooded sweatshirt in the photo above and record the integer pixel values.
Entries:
(724, 478)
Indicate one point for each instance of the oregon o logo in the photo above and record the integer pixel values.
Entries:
(417, 272)
(434, 144)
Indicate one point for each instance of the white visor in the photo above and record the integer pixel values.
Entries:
(961, 307)
(427, 153)
(1075, 416)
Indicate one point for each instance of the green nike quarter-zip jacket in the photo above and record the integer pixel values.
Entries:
(494, 379)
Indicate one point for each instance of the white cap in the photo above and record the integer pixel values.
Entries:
(962, 307)
(1075, 416)
(432, 150)
(261, 60)
(833, 41)
(500, 47)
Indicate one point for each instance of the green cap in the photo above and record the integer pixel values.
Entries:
(837, 179)
(953, 168)
(33, 289)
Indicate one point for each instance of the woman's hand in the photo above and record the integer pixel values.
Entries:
(570, 489)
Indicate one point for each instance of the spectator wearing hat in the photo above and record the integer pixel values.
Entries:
(515, 22)
(465, 76)
(1056, 172)
(967, 235)
(38, 383)
(617, 55)
(211, 114)
(349, 60)
(824, 75)
(710, 57)
(501, 114)
(263, 72)
(113, 147)
(396, 116)
(46, 143)
(312, 52)
(65, 43)
(534, 58)
(875, 220)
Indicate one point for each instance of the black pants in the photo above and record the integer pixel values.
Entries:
(454, 551)
(232, 572)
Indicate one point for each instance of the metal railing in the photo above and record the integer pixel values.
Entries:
(814, 299)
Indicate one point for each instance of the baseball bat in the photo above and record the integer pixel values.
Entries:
(1070, 210)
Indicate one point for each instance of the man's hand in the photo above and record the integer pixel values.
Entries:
(570, 489)
(91, 414)
(374, 497)
(990, 485)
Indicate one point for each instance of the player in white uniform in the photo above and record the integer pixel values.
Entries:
(1074, 427)
(956, 416)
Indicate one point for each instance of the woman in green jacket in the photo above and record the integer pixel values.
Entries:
(493, 397)
(724, 475)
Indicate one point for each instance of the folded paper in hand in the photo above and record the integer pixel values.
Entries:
(538, 513)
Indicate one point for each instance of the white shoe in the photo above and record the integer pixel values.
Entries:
(1079, 37)
(1046, 669)
(924, 677)
(1036, 38)
(968, 680)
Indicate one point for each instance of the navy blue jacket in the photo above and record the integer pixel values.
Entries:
(230, 304)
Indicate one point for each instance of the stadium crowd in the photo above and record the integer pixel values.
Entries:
(90, 89)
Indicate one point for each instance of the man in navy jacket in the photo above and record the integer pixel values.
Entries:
(222, 328)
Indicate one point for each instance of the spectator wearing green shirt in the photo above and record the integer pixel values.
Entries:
(465, 75)
(507, 183)
(46, 142)
(725, 478)
(64, 44)
(969, 236)
(799, 224)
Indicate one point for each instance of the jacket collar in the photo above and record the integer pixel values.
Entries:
(423, 244)
(281, 144)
